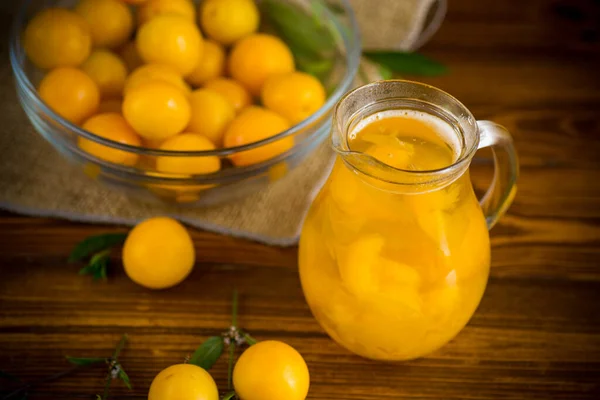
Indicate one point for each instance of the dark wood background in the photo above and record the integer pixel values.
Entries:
(532, 66)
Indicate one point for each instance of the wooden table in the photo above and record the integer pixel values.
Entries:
(531, 66)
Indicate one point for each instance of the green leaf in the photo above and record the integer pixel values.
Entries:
(317, 66)
(320, 69)
(120, 346)
(94, 244)
(249, 339)
(300, 29)
(319, 11)
(87, 270)
(85, 361)
(8, 377)
(407, 63)
(103, 266)
(385, 72)
(98, 265)
(124, 377)
(229, 396)
(208, 353)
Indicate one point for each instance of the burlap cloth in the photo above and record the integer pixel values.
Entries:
(35, 180)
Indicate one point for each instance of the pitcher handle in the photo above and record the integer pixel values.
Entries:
(502, 191)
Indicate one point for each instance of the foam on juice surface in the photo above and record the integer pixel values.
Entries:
(406, 139)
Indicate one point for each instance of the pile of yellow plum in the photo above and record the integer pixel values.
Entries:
(170, 75)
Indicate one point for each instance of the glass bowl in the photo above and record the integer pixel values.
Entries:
(143, 181)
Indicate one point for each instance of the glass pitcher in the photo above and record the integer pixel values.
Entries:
(394, 262)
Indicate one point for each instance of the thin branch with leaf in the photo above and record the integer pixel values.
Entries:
(209, 352)
(115, 371)
(97, 250)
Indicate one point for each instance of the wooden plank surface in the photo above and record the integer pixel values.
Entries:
(532, 66)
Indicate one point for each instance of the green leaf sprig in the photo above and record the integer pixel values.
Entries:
(209, 352)
(229, 396)
(311, 37)
(115, 371)
(306, 33)
(406, 63)
(97, 249)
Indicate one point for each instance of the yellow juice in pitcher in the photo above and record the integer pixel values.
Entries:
(392, 273)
